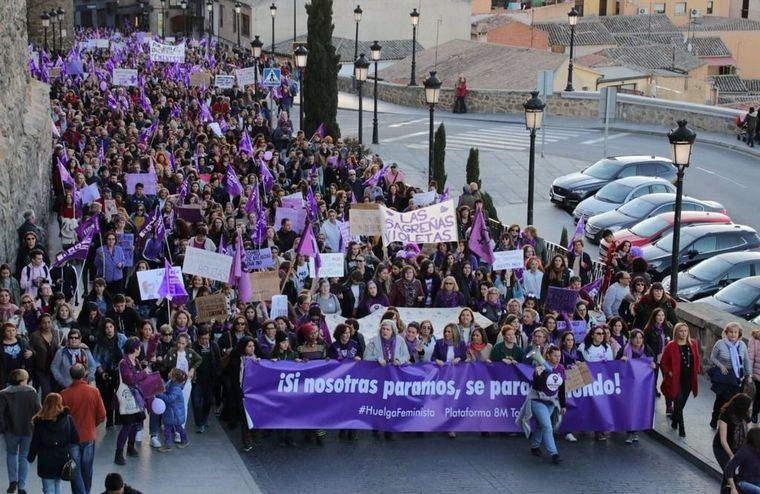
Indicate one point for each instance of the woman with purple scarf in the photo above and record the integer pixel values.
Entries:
(636, 349)
(343, 348)
(131, 374)
(413, 342)
(372, 299)
(448, 296)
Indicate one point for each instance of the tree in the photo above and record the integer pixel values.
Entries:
(488, 205)
(473, 167)
(321, 81)
(563, 237)
(439, 157)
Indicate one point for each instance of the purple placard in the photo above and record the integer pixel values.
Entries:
(190, 212)
(293, 201)
(426, 397)
(149, 181)
(296, 216)
(75, 67)
(561, 299)
(127, 243)
(579, 329)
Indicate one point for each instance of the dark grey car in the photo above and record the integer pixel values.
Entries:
(741, 299)
(710, 275)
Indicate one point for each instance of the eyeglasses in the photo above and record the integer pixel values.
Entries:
(360, 260)
(240, 324)
(27, 302)
(598, 334)
(166, 334)
(448, 283)
(72, 337)
(514, 230)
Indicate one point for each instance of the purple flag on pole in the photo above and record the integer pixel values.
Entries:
(445, 195)
(593, 288)
(311, 204)
(579, 229)
(319, 132)
(233, 186)
(171, 286)
(183, 192)
(205, 114)
(266, 176)
(91, 224)
(54, 128)
(66, 177)
(261, 227)
(308, 245)
(480, 239)
(245, 143)
(251, 204)
(77, 251)
(377, 176)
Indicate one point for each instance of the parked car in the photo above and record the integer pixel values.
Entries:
(710, 275)
(650, 229)
(697, 243)
(740, 299)
(641, 208)
(571, 189)
(618, 192)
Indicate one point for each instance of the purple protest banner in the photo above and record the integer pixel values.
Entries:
(561, 299)
(296, 216)
(149, 181)
(579, 329)
(426, 397)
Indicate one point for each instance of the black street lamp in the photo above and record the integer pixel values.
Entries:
(237, 21)
(53, 14)
(256, 47)
(163, 19)
(183, 4)
(61, 13)
(294, 20)
(146, 19)
(210, 10)
(534, 115)
(357, 20)
(432, 93)
(45, 24)
(375, 50)
(300, 55)
(681, 143)
(273, 13)
(361, 68)
(415, 16)
(572, 18)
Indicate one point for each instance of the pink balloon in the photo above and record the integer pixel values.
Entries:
(103, 85)
(268, 155)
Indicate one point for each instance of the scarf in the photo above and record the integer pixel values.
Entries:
(412, 347)
(389, 347)
(410, 300)
(477, 347)
(569, 357)
(733, 350)
(631, 353)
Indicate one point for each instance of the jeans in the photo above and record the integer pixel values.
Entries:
(747, 488)
(544, 432)
(84, 455)
(202, 397)
(51, 486)
(16, 451)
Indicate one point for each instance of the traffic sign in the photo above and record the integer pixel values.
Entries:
(272, 77)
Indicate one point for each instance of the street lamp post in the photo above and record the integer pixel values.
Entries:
(273, 13)
(361, 67)
(432, 93)
(53, 14)
(45, 24)
(294, 20)
(237, 21)
(256, 47)
(183, 4)
(163, 19)
(415, 16)
(61, 13)
(681, 144)
(357, 20)
(210, 10)
(375, 50)
(534, 114)
(572, 18)
(146, 19)
(300, 54)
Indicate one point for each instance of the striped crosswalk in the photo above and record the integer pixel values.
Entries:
(511, 138)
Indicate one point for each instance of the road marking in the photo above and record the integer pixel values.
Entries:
(710, 172)
(408, 122)
(407, 136)
(609, 138)
(479, 144)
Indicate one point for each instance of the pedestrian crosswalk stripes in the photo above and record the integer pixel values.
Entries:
(513, 138)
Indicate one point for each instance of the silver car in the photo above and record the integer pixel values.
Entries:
(618, 192)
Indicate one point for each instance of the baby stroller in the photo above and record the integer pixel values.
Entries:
(741, 130)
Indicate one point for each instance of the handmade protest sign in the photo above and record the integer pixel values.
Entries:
(332, 266)
(216, 129)
(245, 76)
(124, 77)
(160, 52)
(207, 264)
(258, 259)
(211, 307)
(577, 376)
(366, 219)
(579, 329)
(127, 243)
(508, 259)
(202, 78)
(224, 81)
(279, 306)
(149, 181)
(561, 299)
(296, 216)
(330, 394)
(421, 199)
(264, 285)
(149, 281)
(433, 224)
(102, 43)
(293, 201)
(90, 193)
(190, 212)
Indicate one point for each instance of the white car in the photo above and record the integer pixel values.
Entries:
(618, 192)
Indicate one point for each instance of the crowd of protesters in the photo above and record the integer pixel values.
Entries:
(66, 323)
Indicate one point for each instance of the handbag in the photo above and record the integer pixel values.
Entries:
(67, 472)
(717, 377)
(152, 385)
(127, 403)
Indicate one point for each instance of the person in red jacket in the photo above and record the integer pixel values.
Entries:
(461, 89)
(680, 368)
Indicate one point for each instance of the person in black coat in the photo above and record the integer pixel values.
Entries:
(54, 433)
(206, 378)
(579, 261)
(65, 281)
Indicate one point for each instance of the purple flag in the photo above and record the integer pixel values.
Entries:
(237, 262)
(171, 286)
(593, 288)
(377, 176)
(222, 248)
(308, 245)
(319, 132)
(77, 251)
(147, 133)
(112, 103)
(183, 192)
(54, 128)
(223, 126)
(261, 227)
(91, 224)
(66, 177)
(205, 114)
(172, 163)
(480, 239)
(245, 143)
(101, 154)
(266, 177)
(175, 113)
(153, 225)
(233, 186)
(252, 204)
(311, 204)
(579, 229)
(445, 195)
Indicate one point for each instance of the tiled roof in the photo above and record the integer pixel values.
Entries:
(586, 33)
(753, 85)
(633, 24)
(709, 46)
(392, 49)
(654, 57)
(489, 23)
(729, 84)
(712, 23)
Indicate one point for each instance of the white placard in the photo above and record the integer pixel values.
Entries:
(430, 225)
(207, 264)
(90, 193)
(149, 281)
(160, 52)
(246, 76)
(124, 77)
(224, 81)
(508, 259)
(279, 306)
(421, 199)
(170, 39)
(332, 266)
(292, 201)
(216, 129)
(102, 43)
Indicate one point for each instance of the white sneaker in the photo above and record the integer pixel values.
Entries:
(569, 437)
(177, 439)
(635, 437)
(629, 438)
(154, 442)
(139, 436)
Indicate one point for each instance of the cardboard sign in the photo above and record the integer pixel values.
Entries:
(149, 181)
(293, 201)
(198, 79)
(124, 77)
(508, 259)
(246, 76)
(365, 219)
(210, 308)
(207, 264)
(264, 285)
(577, 376)
(54, 73)
(430, 225)
(258, 259)
(160, 52)
(224, 81)
(149, 281)
(190, 212)
(561, 299)
(424, 198)
(110, 208)
(296, 216)
(279, 306)
(333, 266)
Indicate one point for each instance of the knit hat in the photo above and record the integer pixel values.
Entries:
(281, 336)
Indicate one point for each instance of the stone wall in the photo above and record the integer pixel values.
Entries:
(578, 104)
(25, 143)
